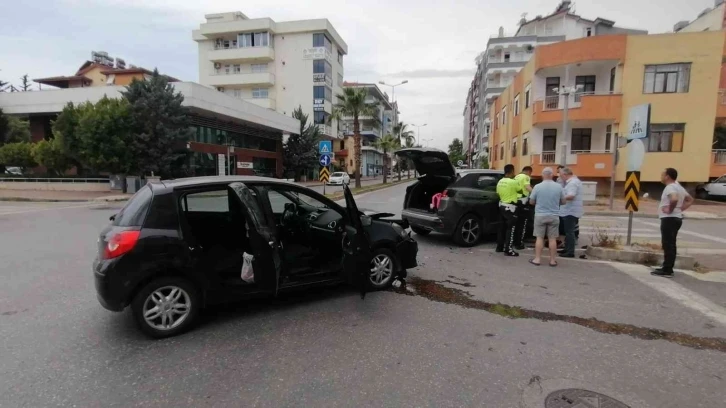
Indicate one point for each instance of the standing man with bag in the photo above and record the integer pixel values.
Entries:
(524, 209)
(572, 211)
(509, 191)
(674, 200)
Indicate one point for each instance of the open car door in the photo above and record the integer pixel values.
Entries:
(357, 253)
(265, 245)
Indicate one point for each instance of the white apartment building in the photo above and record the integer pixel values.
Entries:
(506, 54)
(276, 65)
(710, 19)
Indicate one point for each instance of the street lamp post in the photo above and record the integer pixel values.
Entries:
(393, 99)
(427, 141)
(418, 132)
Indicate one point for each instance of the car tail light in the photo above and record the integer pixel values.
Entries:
(120, 244)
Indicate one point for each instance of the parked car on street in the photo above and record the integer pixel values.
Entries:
(15, 171)
(714, 189)
(468, 207)
(339, 178)
(180, 245)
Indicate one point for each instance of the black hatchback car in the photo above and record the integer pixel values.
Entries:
(179, 245)
(469, 206)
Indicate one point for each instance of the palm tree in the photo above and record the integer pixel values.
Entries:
(352, 103)
(406, 138)
(387, 144)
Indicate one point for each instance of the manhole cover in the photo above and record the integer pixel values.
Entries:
(578, 398)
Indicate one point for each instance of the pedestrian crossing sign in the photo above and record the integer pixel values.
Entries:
(326, 147)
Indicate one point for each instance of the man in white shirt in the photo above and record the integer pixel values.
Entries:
(674, 200)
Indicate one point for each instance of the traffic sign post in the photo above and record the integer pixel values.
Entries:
(326, 147)
(324, 177)
(325, 160)
(639, 127)
(632, 194)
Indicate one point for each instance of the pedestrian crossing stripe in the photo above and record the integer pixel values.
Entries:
(632, 190)
(324, 174)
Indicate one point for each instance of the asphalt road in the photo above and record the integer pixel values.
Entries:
(472, 328)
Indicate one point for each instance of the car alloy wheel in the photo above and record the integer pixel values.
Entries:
(167, 307)
(470, 231)
(382, 266)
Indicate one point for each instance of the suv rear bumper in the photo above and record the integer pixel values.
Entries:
(429, 221)
(108, 297)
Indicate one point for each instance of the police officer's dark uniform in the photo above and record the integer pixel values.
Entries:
(509, 191)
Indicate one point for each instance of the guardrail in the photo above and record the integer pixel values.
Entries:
(589, 151)
(719, 156)
(547, 157)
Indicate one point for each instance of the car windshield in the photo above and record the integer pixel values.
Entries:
(338, 174)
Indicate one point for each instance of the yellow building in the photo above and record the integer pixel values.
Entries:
(678, 74)
(93, 73)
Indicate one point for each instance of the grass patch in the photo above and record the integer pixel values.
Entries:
(603, 238)
(698, 268)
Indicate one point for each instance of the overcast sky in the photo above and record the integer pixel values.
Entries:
(430, 43)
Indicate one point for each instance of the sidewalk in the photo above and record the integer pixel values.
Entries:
(648, 208)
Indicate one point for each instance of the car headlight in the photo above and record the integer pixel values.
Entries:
(399, 230)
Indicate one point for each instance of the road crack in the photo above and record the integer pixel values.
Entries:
(435, 291)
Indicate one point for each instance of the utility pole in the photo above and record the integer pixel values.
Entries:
(565, 114)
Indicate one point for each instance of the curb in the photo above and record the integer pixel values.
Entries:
(638, 257)
(650, 216)
(42, 200)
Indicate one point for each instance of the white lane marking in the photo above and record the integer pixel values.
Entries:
(713, 276)
(675, 291)
(691, 233)
(48, 209)
(595, 228)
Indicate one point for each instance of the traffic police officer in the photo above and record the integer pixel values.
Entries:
(509, 191)
(525, 210)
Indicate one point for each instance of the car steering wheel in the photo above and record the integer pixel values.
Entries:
(289, 214)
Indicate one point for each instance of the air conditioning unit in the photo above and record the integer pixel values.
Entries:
(220, 89)
(217, 65)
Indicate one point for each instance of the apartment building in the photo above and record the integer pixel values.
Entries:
(506, 54)
(679, 75)
(371, 129)
(275, 65)
(710, 19)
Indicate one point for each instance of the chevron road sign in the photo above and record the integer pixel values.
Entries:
(324, 174)
(632, 190)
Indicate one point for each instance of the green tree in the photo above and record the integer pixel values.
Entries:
(4, 125)
(17, 154)
(300, 153)
(25, 83)
(456, 151)
(387, 143)
(48, 153)
(104, 136)
(407, 139)
(17, 131)
(484, 161)
(65, 133)
(352, 103)
(160, 126)
(3, 85)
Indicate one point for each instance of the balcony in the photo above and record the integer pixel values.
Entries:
(721, 106)
(584, 163)
(582, 106)
(264, 79)
(718, 163)
(261, 54)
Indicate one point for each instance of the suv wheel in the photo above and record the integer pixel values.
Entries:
(383, 266)
(420, 231)
(702, 194)
(166, 307)
(468, 231)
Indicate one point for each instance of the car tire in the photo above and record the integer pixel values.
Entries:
(468, 231)
(384, 266)
(171, 295)
(702, 194)
(420, 231)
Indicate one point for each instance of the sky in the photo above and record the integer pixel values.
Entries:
(432, 44)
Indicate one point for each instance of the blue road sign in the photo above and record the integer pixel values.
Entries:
(326, 147)
(325, 160)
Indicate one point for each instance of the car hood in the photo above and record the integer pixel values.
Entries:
(428, 161)
(381, 216)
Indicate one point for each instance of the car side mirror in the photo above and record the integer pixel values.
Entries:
(366, 220)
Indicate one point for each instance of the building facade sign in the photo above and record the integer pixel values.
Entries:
(314, 53)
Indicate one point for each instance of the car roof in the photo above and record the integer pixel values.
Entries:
(199, 181)
(479, 171)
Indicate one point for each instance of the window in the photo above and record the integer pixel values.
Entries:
(588, 32)
(259, 39)
(516, 105)
(549, 140)
(321, 118)
(260, 93)
(323, 92)
(608, 136)
(322, 40)
(525, 147)
(278, 201)
(581, 140)
(504, 115)
(227, 69)
(514, 147)
(585, 86)
(322, 66)
(111, 79)
(340, 57)
(257, 68)
(552, 93)
(237, 68)
(216, 201)
(501, 152)
(497, 122)
(487, 182)
(134, 212)
(237, 93)
(527, 96)
(612, 80)
(506, 57)
(264, 167)
(670, 78)
(667, 137)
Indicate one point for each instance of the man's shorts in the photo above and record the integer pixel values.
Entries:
(546, 226)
